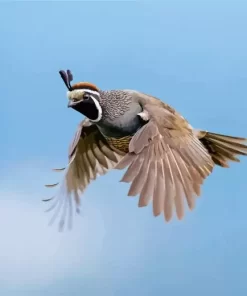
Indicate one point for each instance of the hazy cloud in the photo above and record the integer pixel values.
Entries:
(33, 253)
(103, 239)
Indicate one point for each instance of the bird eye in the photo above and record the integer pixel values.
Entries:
(86, 96)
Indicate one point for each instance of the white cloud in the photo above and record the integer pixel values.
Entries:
(33, 253)
(107, 240)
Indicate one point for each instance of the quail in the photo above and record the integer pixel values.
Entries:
(165, 158)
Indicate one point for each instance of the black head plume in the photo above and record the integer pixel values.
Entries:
(67, 78)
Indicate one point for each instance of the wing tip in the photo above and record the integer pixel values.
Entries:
(51, 185)
(48, 199)
(58, 169)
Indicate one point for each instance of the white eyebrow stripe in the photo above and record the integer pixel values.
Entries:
(74, 93)
(94, 92)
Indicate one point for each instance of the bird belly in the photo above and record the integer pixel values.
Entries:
(121, 144)
(119, 135)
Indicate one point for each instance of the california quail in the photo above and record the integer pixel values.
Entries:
(167, 160)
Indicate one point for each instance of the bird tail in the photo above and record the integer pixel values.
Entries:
(223, 148)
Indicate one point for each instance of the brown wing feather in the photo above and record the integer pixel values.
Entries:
(223, 148)
(89, 156)
(166, 162)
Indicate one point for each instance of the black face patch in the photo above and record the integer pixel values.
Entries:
(88, 108)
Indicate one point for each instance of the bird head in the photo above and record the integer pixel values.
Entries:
(83, 97)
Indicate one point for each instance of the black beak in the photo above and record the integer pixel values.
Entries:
(72, 104)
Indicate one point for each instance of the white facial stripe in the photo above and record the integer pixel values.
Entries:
(99, 110)
(94, 92)
(76, 93)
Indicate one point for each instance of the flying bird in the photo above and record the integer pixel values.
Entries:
(165, 158)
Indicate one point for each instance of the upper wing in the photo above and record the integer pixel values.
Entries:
(166, 162)
(89, 156)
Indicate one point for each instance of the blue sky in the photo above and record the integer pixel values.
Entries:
(191, 54)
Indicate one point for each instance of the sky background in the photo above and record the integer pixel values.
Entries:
(192, 55)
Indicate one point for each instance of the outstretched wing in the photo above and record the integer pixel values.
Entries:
(166, 162)
(89, 156)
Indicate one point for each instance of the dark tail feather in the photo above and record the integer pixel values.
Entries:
(224, 148)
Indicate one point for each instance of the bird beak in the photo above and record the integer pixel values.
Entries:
(70, 104)
(73, 103)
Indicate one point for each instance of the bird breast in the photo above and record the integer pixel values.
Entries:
(124, 124)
